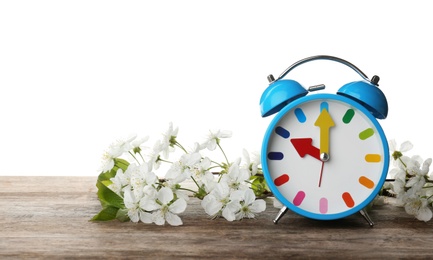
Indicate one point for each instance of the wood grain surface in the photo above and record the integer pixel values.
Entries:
(48, 218)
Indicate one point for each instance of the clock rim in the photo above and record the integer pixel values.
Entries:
(285, 201)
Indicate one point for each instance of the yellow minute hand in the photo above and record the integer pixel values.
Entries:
(324, 122)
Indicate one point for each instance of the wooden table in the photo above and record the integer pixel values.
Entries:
(48, 217)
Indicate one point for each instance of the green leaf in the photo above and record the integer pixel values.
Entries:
(118, 163)
(105, 195)
(108, 197)
(122, 215)
(107, 182)
(107, 213)
(259, 185)
(201, 193)
(112, 204)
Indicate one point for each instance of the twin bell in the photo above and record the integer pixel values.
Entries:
(281, 92)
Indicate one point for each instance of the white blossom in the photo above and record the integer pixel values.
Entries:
(182, 169)
(136, 145)
(164, 208)
(124, 145)
(154, 157)
(132, 203)
(236, 176)
(251, 162)
(223, 187)
(202, 176)
(411, 184)
(214, 138)
(118, 182)
(107, 161)
(216, 201)
(249, 205)
(140, 176)
(418, 207)
(168, 138)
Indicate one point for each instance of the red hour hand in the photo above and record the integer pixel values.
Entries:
(304, 146)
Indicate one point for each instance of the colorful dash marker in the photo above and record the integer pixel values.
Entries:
(348, 199)
(323, 205)
(366, 133)
(372, 157)
(300, 196)
(281, 180)
(324, 105)
(348, 116)
(275, 156)
(300, 115)
(282, 132)
(366, 182)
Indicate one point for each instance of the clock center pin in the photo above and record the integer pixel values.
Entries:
(324, 157)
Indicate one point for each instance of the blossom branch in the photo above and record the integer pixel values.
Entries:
(132, 191)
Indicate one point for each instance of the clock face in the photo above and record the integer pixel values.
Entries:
(325, 156)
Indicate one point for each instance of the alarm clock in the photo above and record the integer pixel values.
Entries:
(324, 155)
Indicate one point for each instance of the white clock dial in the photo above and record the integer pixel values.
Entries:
(325, 156)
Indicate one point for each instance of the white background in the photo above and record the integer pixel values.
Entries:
(77, 75)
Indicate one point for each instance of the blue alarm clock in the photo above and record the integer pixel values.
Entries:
(324, 156)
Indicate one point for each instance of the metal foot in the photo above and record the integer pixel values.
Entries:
(281, 213)
(366, 217)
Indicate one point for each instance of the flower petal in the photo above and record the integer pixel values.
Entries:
(173, 219)
(133, 215)
(412, 181)
(238, 195)
(146, 217)
(424, 214)
(392, 145)
(165, 195)
(250, 197)
(211, 145)
(228, 214)
(230, 210)
(258, 206)
(149, 204)
(129, 199)
(406, 146)
(225, 134)
(211, 205)
(158, 218)
(178, 206)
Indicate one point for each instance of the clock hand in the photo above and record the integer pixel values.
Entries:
(324, 122)
(304, 146)
(321, 173)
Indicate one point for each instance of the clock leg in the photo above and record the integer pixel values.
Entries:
(281, 213)
(366, 217)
